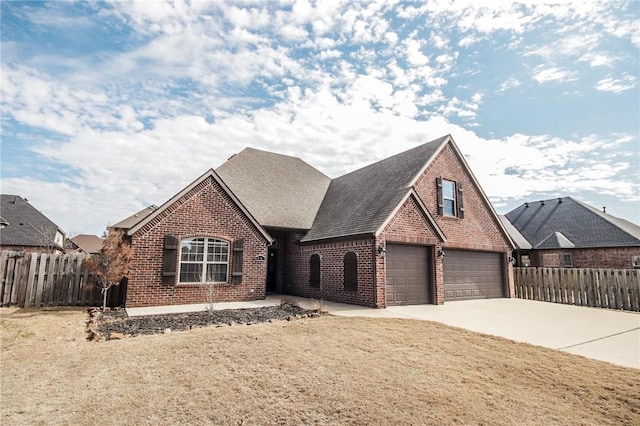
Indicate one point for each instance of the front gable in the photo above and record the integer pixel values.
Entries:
(205, 214)
(477, 227)
(412, 223)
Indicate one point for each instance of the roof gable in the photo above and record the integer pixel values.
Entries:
(279, 190)
(555, 240)
(361, 201)
(27, 226)
(579, 223)
(89, 243)
(209, 174)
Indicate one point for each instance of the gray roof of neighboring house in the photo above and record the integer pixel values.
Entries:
(27, 226)
(279, 191)
(568, 223)
(360, 202)
(135, 218)
(90, 243)
(519, 240)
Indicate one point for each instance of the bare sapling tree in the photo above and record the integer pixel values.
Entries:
(112, 264)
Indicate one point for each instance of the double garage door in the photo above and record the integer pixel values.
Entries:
(467, 275)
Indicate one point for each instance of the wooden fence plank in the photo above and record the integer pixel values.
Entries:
(42, 274)
(21, 290)
(31, 281)
(604, 288)
(4, 264)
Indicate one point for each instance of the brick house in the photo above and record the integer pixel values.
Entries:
(567, 233)
(413, 228)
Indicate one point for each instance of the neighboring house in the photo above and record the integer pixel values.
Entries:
(84, 243)
(567, 233)
(26, 229)
(413, 228)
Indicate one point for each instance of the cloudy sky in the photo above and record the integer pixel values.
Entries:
(108, 107)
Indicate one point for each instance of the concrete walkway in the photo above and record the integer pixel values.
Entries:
(602, 334)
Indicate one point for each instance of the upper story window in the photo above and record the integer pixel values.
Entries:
(567, 260)
(204, 260)
(450, 198)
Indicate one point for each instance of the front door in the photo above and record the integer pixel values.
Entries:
(272, 270)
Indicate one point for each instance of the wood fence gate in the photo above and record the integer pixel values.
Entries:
(41, 279)
(601, 288)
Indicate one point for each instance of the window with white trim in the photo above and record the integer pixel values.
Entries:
(449, 197)
(204, 260)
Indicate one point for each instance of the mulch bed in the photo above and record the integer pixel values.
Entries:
(116, 324)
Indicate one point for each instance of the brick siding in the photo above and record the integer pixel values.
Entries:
(478, 230)
(205, 211)
(611, 257)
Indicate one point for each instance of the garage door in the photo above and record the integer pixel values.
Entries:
(472, 275)
(407, 275)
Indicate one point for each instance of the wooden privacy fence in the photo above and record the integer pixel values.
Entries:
(601, 288)
(40, 279)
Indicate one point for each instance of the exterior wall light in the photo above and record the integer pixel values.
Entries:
(381, 251)
(441, 253)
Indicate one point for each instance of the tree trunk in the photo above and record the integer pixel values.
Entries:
(104, 297)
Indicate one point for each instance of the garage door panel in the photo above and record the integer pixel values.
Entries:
(472, 275)
(407, 274)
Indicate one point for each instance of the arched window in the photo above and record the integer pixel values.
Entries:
(314, 271)
(204, 260)
(350, 272)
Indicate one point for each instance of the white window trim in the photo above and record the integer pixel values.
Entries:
(204, 262)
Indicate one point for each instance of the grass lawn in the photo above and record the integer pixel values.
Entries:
(327, 370)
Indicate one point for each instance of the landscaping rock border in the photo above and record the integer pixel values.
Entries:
(114, 324)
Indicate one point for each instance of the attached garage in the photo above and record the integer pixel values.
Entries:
(472, 275)
(408, 275)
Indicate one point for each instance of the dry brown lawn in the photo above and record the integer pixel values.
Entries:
(326, 370)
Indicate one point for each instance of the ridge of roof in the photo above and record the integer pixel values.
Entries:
(627, 226)
(281, 191)
(583, 225)
(360, 201)
(209, 173)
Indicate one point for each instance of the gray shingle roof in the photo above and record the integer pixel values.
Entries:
(578, 223)
(360, 202)
(135, 218)
(279, 191)
(27, 226)
(519, 240)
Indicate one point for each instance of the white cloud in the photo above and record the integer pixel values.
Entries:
(508, 84)
(627, 82)
(547, 75)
